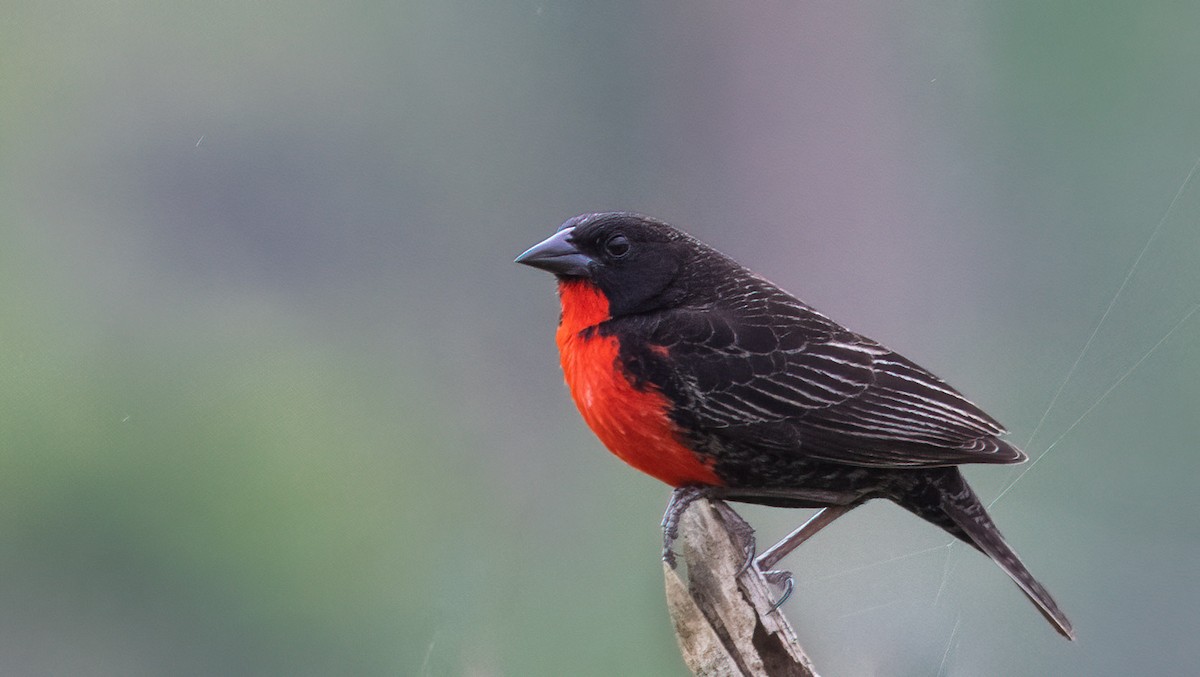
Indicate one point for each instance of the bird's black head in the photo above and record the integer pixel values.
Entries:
(639, 263)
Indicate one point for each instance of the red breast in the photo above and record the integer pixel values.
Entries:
(632, 422)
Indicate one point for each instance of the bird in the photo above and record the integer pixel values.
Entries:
(703, 374)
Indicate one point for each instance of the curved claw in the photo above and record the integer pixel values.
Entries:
(669, 556)
(749, 551)
(783, 578)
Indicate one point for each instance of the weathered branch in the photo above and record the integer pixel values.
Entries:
(723, 621)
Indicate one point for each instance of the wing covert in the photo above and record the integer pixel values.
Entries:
(807, 385)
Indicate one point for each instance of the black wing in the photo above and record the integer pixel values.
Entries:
(777, 374)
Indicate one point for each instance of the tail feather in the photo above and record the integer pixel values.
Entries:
(951, 504)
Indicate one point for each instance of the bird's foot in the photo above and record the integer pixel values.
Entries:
(681, 498)
(742, 532)
(782, 579)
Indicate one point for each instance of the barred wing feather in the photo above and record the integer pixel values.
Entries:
(830, 394)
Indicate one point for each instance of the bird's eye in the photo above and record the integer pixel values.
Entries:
(617, 246)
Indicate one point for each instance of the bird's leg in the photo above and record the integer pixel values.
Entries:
(681, 498)
(823, 518)
(767, 560)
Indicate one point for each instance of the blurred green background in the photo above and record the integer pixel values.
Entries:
(275, 400)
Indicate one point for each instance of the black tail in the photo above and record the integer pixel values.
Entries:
(946, 500)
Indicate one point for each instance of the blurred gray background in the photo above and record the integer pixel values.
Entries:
(277, 402)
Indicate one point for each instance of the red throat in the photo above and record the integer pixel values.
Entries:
(633, 423)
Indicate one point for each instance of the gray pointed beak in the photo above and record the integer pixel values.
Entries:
(558, 255)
